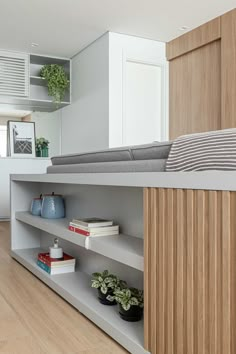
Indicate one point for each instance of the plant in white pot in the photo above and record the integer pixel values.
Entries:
(106, 283)
(130, 302)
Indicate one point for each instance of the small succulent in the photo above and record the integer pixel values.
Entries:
(106, 282)
(127, 297)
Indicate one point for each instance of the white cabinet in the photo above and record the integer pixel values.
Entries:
(11, 166)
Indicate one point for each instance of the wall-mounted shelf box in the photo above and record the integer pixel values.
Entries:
(33, 94)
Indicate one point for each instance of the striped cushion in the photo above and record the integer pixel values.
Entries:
(215, 150)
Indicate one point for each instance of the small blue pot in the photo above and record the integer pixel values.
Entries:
(36, 206)
(53, 207)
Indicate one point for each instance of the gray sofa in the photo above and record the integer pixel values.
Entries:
(215, 150)
(140, 158)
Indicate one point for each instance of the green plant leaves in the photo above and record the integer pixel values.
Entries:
(57, 81)
(103, 289)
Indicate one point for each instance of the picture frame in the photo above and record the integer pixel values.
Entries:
(21, 139)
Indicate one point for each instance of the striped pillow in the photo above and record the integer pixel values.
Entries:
(215, 150)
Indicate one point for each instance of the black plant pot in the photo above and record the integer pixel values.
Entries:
(135, 313)
(103, 298)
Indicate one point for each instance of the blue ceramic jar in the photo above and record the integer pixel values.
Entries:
(53, 206)
(36, 206)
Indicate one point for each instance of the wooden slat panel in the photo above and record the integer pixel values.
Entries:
(180, 273)
(153, 265)
(226, 270)
(213, 271)
(171, 227)
(195, 91)
(232, 272)
(147, 260)
(196, 38)
(190, 266)
(190, 273)
(228, 62)
(161, 272)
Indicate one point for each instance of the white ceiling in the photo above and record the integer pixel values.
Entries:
(64, 27)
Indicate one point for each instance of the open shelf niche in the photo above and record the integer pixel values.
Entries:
(38, 87)
(121, 255)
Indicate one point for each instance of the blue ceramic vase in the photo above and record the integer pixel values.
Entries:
(36, 206)
(53, 207)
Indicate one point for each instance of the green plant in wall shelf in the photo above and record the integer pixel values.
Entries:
(42, 147)
(57, 81)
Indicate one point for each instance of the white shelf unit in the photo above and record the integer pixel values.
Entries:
(122, 255)
(38, 88)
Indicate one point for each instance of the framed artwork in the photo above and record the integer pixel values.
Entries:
(21, 139)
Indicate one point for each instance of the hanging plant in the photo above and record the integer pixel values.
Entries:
(57, 81)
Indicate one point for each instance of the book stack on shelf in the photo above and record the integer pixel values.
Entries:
(94, 227)
(56, 265)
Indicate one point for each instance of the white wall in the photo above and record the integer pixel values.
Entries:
(85, 123)
(123, 51)
(48, 126)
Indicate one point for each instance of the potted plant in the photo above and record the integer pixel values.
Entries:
(42, 147)
(38, 148)
(130, 302)
(106, 284)
(57, 81)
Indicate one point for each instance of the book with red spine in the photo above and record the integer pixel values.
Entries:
(46, 259)
(79, 231)
(93, 234)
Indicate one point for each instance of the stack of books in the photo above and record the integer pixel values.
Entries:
(94, 227)
(56, 266)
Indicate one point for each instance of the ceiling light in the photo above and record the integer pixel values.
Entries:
(34, 45)
(183, 28)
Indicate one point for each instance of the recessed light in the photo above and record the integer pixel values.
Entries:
(183, 28)
(34, 45)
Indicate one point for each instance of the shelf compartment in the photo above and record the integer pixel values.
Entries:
(56, 227)
(75, 288)
(37, 80)
(122, 248)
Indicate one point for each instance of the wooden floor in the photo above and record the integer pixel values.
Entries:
(33, 319)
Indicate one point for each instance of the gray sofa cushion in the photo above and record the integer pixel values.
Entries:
(116, 154)
(155, 150)
(109, 167)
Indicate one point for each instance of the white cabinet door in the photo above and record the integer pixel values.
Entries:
(138, 91)
(142, 103)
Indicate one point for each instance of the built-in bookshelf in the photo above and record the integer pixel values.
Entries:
(121, 254)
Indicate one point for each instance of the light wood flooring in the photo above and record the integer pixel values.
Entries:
(34, 319)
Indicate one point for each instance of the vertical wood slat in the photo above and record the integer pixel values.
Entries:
(226, 270)
(147, 269)
(190, 267)
(190, 271)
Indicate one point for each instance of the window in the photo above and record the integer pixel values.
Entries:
(3, 140)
